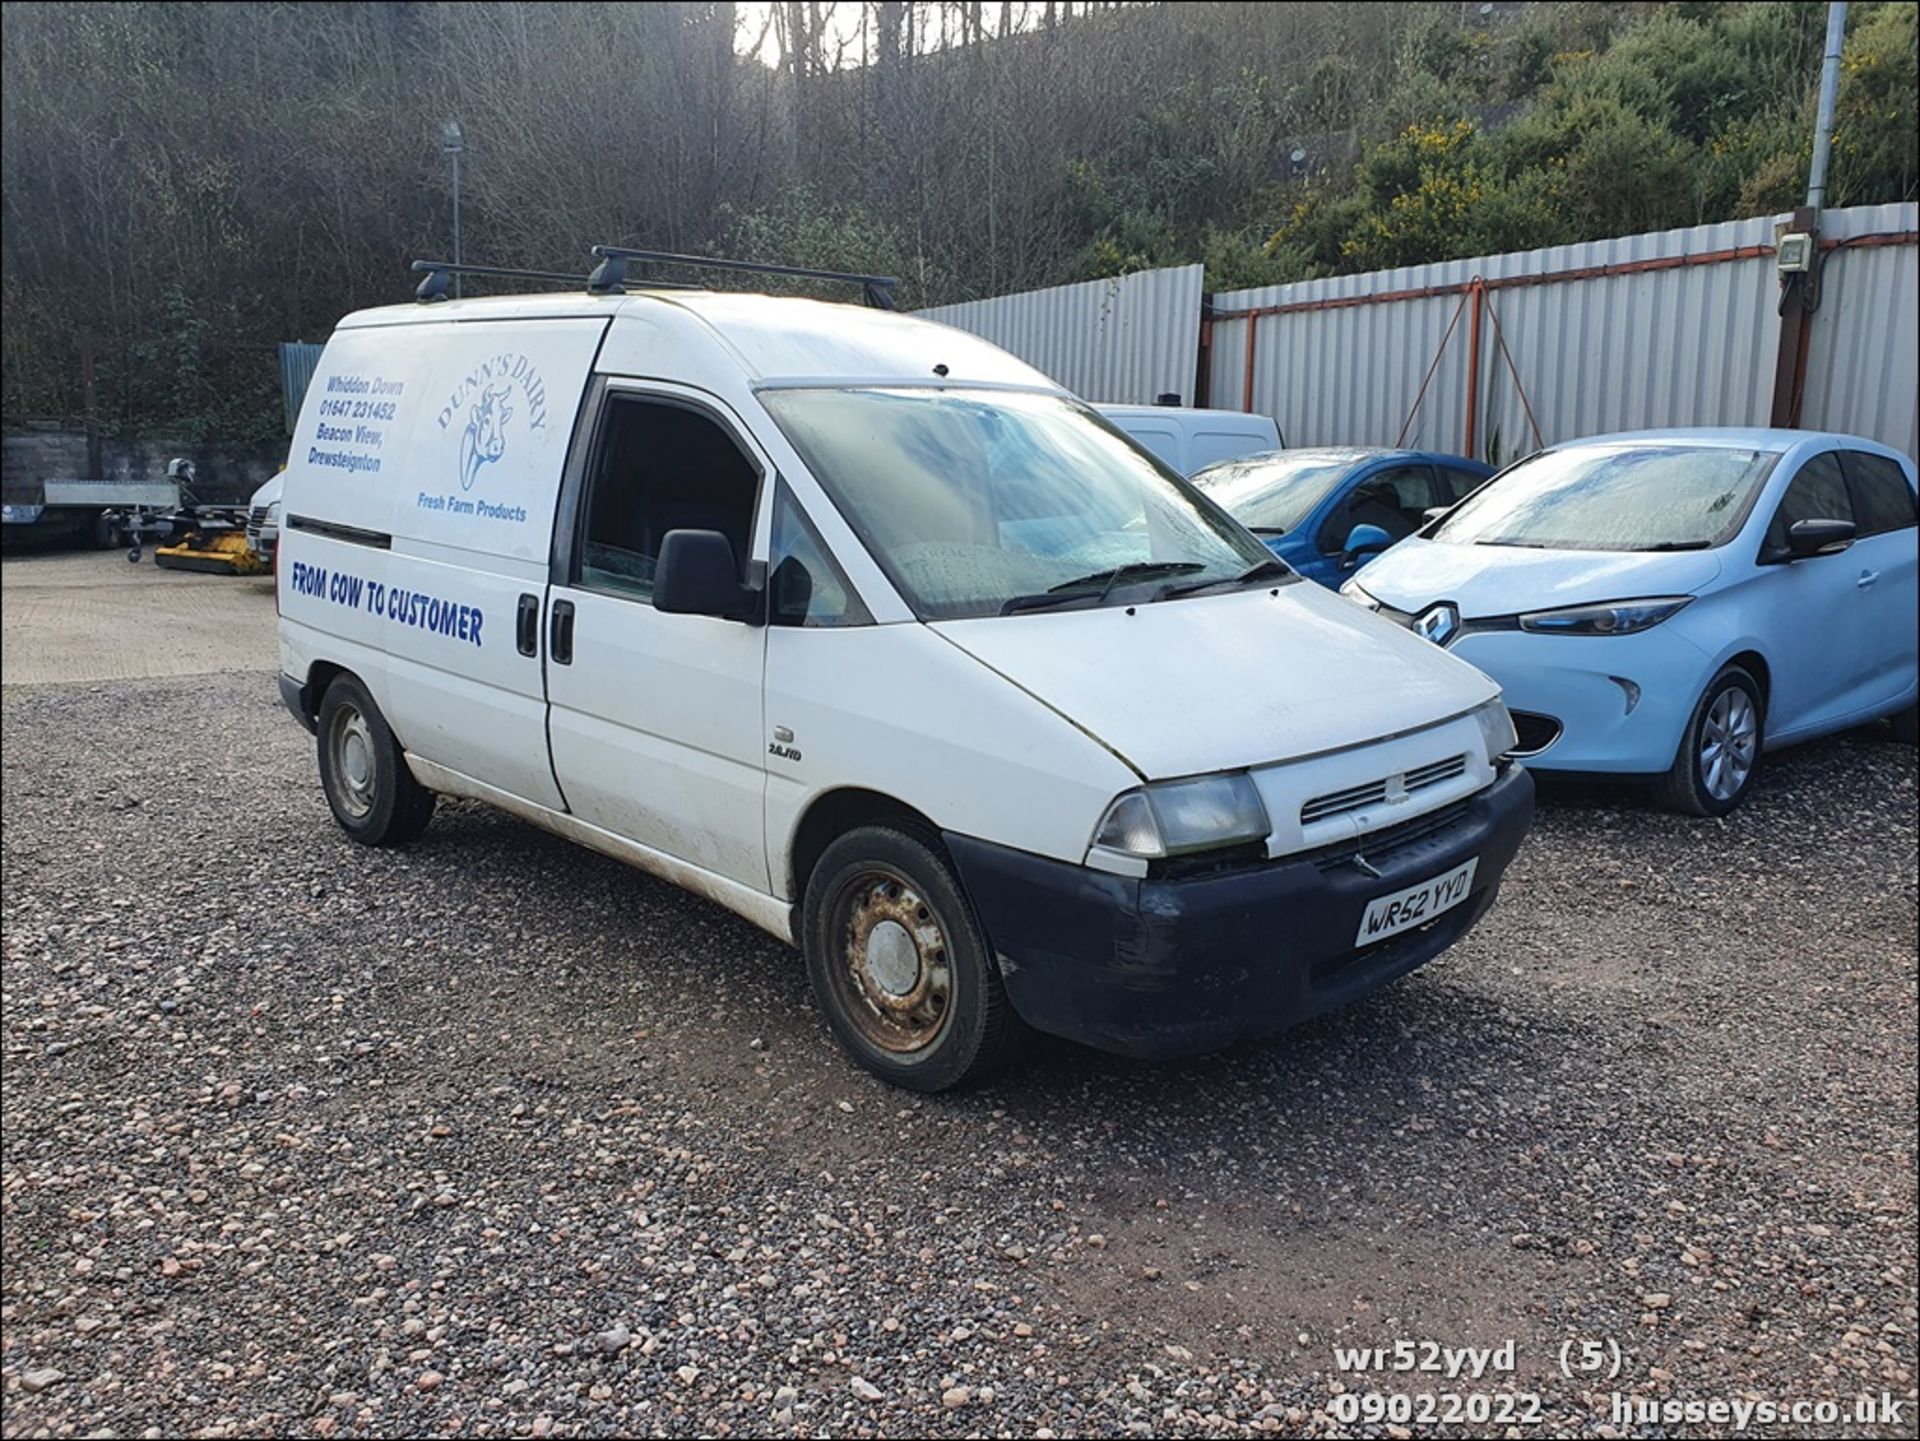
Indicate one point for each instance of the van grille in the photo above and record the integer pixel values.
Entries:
(1381, 844)
(257, 516)
(1374, 792)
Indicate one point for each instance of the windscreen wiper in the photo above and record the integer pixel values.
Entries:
(1676, 545)
(1271, 568)
(1083, 585)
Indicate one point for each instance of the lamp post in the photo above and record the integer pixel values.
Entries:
(453, 142)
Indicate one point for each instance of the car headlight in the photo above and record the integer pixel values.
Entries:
(1496, 729)
(1618, 617)
(1351, 590)
(1171, 818)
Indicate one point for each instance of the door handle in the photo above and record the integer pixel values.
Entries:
(526, 625)
(1867, 578)
(560, 642)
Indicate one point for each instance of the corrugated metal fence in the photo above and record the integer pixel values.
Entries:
(1130, 339)
(1673, 328)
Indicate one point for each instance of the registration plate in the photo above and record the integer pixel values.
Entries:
(1416, 905)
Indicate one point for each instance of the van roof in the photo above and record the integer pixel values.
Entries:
(775, 339)
(1253, 420)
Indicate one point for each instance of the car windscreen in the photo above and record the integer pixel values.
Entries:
(1274, 494)
(1614, 497)
(979, 502)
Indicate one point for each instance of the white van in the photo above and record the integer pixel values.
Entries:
(263, 517)
(864, 629)
(1192, 440)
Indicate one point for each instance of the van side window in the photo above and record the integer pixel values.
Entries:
(660, 467)
(805, 587)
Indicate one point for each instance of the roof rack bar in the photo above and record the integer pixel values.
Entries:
(878, 289)
(439, 272)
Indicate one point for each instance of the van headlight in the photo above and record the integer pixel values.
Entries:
(1619, 617)
(1496, 729)
(1172, 818)
(1351, 590)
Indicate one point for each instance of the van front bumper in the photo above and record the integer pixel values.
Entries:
(1158, 968)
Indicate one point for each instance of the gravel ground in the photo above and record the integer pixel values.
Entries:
(88, 615)
(495, 1137)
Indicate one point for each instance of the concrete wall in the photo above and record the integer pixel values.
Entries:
(226, 473)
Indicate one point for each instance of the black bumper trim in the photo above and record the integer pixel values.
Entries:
(293, 695)
(1159, 968)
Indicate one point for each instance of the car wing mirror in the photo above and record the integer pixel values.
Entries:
(1365, 540)
(697, 574)
(1818, 537)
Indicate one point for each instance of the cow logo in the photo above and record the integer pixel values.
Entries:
(499, 389)
(485, 440)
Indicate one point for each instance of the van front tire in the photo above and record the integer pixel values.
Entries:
(899, 965)
(372, 794)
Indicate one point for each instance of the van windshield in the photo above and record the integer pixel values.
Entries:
(989, 502)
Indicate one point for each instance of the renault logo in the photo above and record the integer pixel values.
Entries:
(1438, 623)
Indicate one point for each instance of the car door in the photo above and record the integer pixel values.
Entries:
(1812, 608)
(655, 719)
(1394, 497)
(1886, 554)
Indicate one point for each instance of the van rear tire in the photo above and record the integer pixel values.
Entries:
(373, 796)
(899, 964)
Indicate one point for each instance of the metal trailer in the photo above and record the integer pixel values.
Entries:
(102, 510)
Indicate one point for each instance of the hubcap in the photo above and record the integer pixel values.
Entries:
(1729, 741)
(350, 743)
(893, 964)
(892, 975)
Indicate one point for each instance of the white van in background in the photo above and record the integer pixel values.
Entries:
(862, 628)
(263, 517)
(1191, 440)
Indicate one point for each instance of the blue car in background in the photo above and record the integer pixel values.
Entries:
(1328, 512)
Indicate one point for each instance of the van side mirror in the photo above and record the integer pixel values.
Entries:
(1365, 540)
(697, 574)
(1818, 537)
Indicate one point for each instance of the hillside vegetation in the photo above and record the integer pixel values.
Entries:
(186, 184)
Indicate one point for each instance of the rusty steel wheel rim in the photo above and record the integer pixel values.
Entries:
(354, 771)
(891, 967)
